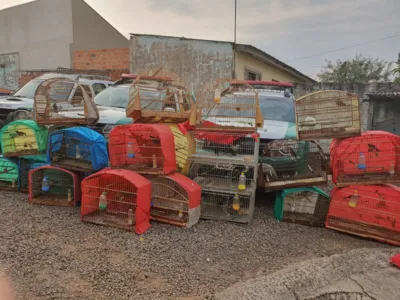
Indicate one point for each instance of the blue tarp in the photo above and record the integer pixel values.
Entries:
(92, 145)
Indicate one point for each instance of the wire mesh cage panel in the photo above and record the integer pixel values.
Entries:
(117, 198)
(185, 146)
(78, 149)
(328, 114)
(27, 163)
(144, 148)
(371, 211)
(175, 200)
(307, 206)
(23, 137)
(54, 186)
(290, 163)
(372, 158)
(230, 104)
(64, 101)
(160, 96)
(233, 146)
(9, 173)
(224, 206)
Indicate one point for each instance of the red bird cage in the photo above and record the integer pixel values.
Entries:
(143, 148)
(371, 211)
(64, 101)
(160, 96)
(117, 198)
(372, 158)
(54, 186)
(175, 200)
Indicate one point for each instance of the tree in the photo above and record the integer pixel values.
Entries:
(396, 70)
(360, 69)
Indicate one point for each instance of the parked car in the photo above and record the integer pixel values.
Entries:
(5, 93)
(20, 104)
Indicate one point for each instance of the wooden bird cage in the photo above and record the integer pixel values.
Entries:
(328, 114)
(372, 158)
(79, 149)
(160, 96)
(371, 211)
(27, 163)
(64, 101)
(232, 104)
(49, 185)
(23, 137)
(117, 198)
(175, 200)
(144, 148)
(306, 206)
(291, 163)
(9, 173)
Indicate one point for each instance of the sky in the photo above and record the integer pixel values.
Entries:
(285, 29)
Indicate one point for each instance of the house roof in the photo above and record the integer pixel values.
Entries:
(383, 96)
(249, 49)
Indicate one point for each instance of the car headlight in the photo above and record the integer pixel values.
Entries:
(22, 115)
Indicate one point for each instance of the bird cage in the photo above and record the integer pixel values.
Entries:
(371, 211)
(144, 148)
(49, 185)
(232, 104)
(175, 200)
(27, 163)
(160, 96)
(291, 163)
(185, 146)
(328, 114)
(78, 149)
(23, 137)
(8, 174)
(117, 198)
(64, 101)
(227, 206)
(372, 158)
(306, 205)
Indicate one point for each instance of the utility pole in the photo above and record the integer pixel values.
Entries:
(234, 45)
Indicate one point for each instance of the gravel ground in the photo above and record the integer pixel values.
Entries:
(50, 254)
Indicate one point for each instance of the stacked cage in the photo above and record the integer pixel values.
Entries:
(363, 202)
(27, 163)
(9, 174)
(226, 157)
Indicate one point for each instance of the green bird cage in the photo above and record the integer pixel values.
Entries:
(307, 206)
(23, 137)
(8, 174)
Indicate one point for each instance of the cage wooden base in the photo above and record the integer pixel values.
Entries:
(147, 116)
(20, 153)
(7, 187)
(367, 179)
(108, 219)
(327, 134)
(364, 230)
(71, 163)
(143, 169)
(168, 216)
(303, 182)
(52, 201)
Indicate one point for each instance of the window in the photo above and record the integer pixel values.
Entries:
(251, 75)
(98, 87)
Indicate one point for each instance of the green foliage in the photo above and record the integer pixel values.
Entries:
(396, 70)
(360, 69)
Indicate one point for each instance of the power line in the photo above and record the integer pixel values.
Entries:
(348, 47)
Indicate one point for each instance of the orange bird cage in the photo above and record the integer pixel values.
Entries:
(328, 114)
(117, 198)
(144, 148)
(232, 104)
(371, 211)
(175, 200)
(53, 186)
(160, 96)
(372, 158)
(64, 101)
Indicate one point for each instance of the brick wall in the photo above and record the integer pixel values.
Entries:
(101, 59)
(25, 77)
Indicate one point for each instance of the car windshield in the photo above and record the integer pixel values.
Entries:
(28, 90)
(114, 96)
(277, 108)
